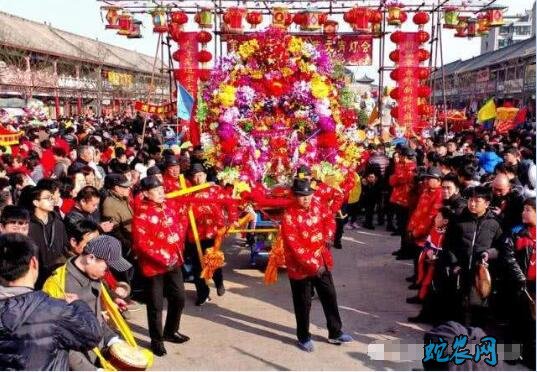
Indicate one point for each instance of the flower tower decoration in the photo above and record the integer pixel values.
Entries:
(272, 106)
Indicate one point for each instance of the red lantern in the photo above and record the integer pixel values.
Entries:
(135, 30)
(125, 24)
(394, 112)
(204, 74)
(179, 17)
(394, 55)
(112, 17)
(323, 17)
(424, 91)
(421, 19)
(360, 18)
(423, 55)
(233, 19)
(396, 74)
(349, 16)
(330, 27)
(204, 56)
(472, 27)
(395, 93)
(313, 21)
(422, 36)
(403, 17)
(178, 55)
(299, 18)
(422, 73)
(375, 16)
(254, 19)
(396, 37)
(495, 16)
(204, 37)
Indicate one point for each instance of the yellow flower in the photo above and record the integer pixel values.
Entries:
(319, 88)
(248, 48)
(295, 45)
(302, 148)
(226, 95)
(256, 74)
(305, 67)
(286, 71)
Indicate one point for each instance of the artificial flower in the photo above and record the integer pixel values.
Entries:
(319, 88)
(226, 95)
(248, 48)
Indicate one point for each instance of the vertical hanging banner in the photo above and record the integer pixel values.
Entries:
(188, 75)
(410, 95)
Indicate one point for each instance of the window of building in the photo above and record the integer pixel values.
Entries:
(501, 75)
(502, 43)
(523, 30)
(504, 30)
(520, 72)
(511, 73)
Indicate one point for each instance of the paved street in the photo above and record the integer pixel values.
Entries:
(253, 325)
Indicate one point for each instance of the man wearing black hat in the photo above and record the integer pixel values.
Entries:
(81, 278)
(209, 219)
(471, 238)
(159, 228)
(309, 262)
(172, 170)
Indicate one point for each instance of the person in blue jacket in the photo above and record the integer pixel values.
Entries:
(36, 331)
(489, 159)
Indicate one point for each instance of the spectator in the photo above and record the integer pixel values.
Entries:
(36, 331)
(14, 220)
(62, 163)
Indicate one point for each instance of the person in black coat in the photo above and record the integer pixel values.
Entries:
(36, 331)
(518, 259)
(506, 203)
(48, 232)
(471, 238)
(451, 194)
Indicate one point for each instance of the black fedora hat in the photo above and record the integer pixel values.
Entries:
(302, 187)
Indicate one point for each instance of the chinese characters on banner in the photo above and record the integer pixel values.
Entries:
(356, 50)
(155, 109)
(187, 76)
(407, 103)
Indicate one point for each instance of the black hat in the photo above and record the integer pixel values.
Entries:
(116, 179)
(108, 248)
(303, 171)
(170, 161)
(151, 171)
(433, 172)
(149, 182)
(302, 187)
(197, 168)
(408, 152)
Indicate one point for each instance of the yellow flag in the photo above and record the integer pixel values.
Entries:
(487, 112)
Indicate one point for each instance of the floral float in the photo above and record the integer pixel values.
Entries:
(275, 104)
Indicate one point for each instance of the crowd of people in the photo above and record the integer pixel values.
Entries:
(84, 216)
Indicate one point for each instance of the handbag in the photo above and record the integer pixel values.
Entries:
(482, 280)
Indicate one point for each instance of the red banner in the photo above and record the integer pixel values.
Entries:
(407, 103)
(155, 109)
(356, 50)
(188, 76)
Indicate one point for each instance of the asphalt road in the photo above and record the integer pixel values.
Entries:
(252, 327)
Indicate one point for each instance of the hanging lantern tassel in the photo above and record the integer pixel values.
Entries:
(276, 260)
(213, 259)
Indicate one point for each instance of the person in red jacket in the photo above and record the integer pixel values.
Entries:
(209, 219)
(172, 170)
(422, 219)
(159, 235)
(305, 233)
(402, 181)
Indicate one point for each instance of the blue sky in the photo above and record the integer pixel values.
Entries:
(84, 17)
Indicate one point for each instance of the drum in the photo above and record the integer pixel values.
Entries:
(128, 358)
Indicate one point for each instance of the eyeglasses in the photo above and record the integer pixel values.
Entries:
(50, 198)
(18, 222)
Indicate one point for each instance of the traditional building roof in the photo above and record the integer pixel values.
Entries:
(517, 50)
(25, 34)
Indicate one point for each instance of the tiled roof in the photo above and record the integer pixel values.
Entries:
(25, 34)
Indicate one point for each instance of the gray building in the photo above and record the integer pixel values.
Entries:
(515, 29)
(506, 73)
